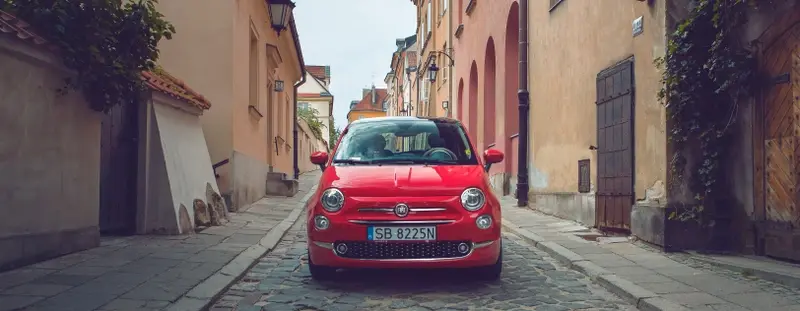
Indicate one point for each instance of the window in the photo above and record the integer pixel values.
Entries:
(254, 72)
(428, 19)
(302, 105)
(424, 141)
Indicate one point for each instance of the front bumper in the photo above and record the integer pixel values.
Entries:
(484, 246)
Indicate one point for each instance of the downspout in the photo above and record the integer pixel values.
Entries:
(449, 51)
(524, 107)
(297, 85)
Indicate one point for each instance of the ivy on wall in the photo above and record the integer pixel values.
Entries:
(109, 43)
(707, 71)
(309, 115)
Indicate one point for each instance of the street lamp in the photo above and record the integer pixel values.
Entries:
(432, 71)
(280, 12)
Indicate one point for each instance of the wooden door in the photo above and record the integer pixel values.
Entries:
(780, 223)
(614, 197)
(118, 167)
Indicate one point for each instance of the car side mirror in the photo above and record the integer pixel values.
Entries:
(320, 158)
(492, 156)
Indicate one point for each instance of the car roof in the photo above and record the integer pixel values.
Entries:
(406, 118)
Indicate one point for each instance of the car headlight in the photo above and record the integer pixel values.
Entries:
(332, 200)
(472, 199)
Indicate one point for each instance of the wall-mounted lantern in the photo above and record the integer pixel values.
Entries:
(432, 71)
(278, 85)
(445, 104)
(280, 13)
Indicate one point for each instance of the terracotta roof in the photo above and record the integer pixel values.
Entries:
(319, 72)
(366, 102)
(9, 24)
(160, 81)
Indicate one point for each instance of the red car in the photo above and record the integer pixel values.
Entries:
(404, 192)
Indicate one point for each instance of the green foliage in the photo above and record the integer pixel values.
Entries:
(310, 116)
(333, 134)
(706, 72)
(107, 42)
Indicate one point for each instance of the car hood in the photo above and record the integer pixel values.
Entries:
(403, 180)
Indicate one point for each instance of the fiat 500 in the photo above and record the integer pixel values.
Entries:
(404, 192)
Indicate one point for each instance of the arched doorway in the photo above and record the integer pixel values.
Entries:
(489, 98)
(472, 116)
(511, 72)
(460, 101)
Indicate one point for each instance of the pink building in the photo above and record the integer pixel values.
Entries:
(486, 49)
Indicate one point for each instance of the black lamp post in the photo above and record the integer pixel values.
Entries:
(280, 13)
(432, 71)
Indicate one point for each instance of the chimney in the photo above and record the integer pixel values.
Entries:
(374, 96)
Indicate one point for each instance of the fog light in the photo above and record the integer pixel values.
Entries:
(463, 248)
(341, 248)
(321, 222)
(483, 222)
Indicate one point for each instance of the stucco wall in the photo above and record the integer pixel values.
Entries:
(184, 165)
(307, 144)
(568, 48)
(49, 156)
(206, 21)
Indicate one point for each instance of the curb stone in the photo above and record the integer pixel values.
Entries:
(642, 298)
(202, 295)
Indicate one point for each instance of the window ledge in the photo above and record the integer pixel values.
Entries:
(254, 112)
(555, 5)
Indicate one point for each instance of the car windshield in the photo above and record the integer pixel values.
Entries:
(413, 141)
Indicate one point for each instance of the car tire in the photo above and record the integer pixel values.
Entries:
(492, 272)
(320, 273)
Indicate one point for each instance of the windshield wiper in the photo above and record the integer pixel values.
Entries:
(352, 161)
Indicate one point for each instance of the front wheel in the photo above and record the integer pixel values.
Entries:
(491, 272)
(320, 273)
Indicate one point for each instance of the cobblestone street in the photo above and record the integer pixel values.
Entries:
(531, 281)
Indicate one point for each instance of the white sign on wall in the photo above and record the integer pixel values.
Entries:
(638, 26)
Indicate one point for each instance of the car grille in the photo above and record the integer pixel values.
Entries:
(402, 250)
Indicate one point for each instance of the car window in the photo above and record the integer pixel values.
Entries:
(413, 141)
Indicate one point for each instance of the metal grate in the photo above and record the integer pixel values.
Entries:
(584, 182)
(402, 250)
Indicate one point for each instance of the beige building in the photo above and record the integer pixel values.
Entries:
(250, 71)
(315, 94)
(435, 50)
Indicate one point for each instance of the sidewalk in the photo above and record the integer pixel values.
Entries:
(645, 277)
(156, 272)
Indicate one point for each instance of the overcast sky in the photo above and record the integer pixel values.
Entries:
(356, 38)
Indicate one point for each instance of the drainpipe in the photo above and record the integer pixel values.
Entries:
(450, 98)
(524, 106)
(296, 86)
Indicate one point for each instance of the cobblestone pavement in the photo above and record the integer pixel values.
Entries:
(762, 285)
(531, 281)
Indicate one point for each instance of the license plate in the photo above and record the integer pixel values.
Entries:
(427, 233)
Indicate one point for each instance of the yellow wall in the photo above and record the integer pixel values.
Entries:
(355, 115)
(569, 46)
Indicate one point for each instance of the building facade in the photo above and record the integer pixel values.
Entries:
(399, 77)
(435, 49)
(315, 94)
(372, 104)
(249, 133)
(486, 46)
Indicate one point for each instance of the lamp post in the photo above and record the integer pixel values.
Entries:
(280, 13)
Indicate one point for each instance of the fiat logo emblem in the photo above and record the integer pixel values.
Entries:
(401, 210)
